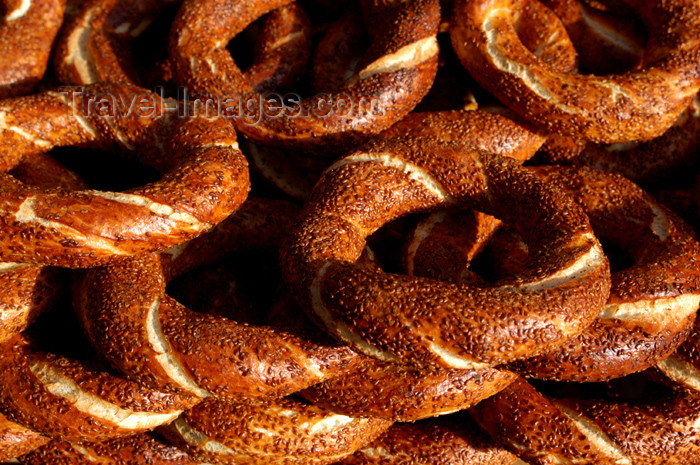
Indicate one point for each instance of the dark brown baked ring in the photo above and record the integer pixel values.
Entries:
(396, 73)
(636, 105)
(412, 320)
(205, 180)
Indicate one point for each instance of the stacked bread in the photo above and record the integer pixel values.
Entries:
(388, 232)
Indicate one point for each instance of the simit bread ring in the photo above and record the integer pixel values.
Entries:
(652, 302)
(397, 72)
(637, 105)
(16, 440)
(545, 430)
(123, 306)
(96, 45)
(259, 432)
(203, 184)
(411, 320)
(385, 390)
(402, 393)
(29, 290)
(141, 448)
(27, 32)
(448, 441)
(69, 400)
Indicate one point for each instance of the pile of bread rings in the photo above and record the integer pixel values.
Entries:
(392, 232)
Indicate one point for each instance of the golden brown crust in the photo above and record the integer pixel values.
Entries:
(384, 91)
(637, 105)
(232, 392)
(142, 448)
(283, 431)
(484, 130)
(394, 392)
(16, 440)
(454, 441)
(124, 306)
(66, 399)
(430, 322)
(27, 33)
(205, 181)
(96, 44)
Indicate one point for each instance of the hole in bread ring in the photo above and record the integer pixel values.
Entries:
(206, 176)
(397, 72)
(412, 320)
(96, 45)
